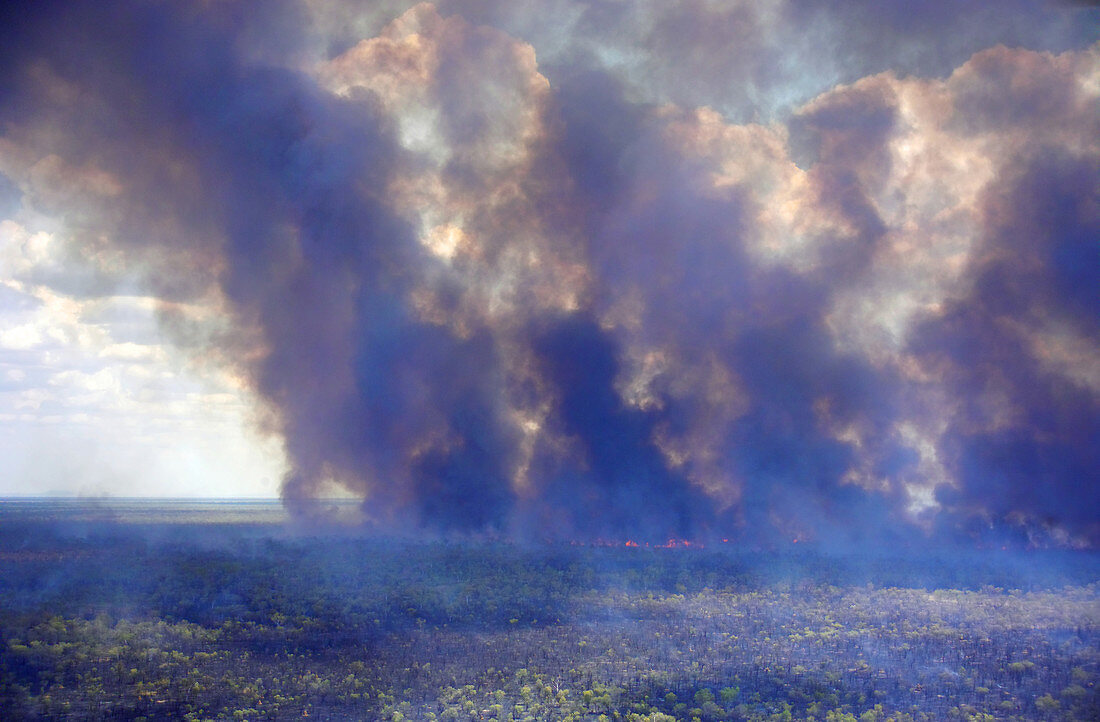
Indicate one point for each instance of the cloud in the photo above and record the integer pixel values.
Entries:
(121, 413)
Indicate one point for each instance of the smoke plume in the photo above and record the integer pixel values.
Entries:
(692, 273)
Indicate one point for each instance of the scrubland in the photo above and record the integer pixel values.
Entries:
(124, 622)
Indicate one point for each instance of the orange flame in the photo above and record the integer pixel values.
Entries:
(680, 544)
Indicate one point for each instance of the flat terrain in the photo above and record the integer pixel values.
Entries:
(227, 613)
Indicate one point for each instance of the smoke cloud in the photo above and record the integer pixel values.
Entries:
(687, 272)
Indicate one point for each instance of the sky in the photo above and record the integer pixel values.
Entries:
(561, 270)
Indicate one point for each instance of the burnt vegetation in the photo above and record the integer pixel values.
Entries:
(121, 621)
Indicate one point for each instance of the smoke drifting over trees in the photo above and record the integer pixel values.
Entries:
(625, 271)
